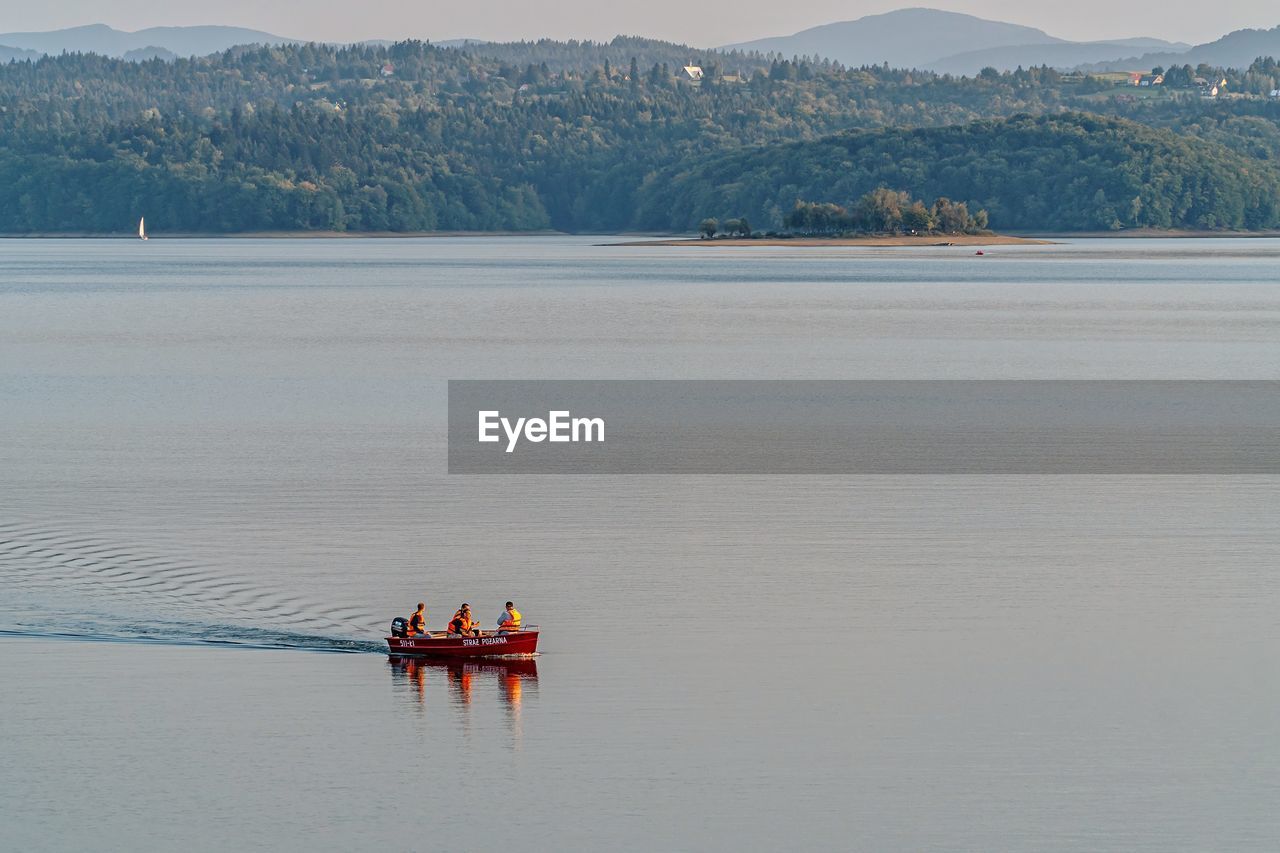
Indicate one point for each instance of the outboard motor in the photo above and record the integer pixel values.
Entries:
(399, 627)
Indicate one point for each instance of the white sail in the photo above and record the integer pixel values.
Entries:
(142, 228)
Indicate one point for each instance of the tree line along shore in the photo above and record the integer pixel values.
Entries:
(584, 137)
(851, 241)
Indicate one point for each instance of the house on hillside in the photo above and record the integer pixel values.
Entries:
(1210, 88)
(1151, 80)
(1220, 82)
(692, 73)
(1275, 93)
(388, 69)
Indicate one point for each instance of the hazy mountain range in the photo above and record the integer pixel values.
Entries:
(151, 43)
(101, 39)
(1234, 50)
(1056, 55)
(946, 42)
(10, 54)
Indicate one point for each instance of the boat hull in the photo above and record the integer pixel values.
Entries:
(484, 646)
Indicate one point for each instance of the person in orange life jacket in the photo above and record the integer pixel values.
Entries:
(462, 622)
(509, 620)
(418, 621)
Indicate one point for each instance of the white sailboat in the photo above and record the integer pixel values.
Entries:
(142, 228)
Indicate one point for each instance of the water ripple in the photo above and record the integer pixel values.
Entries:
(122, 593)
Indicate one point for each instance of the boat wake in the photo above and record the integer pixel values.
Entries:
(223, 636)
(56, 584)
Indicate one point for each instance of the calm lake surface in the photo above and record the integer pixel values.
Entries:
(222, 461)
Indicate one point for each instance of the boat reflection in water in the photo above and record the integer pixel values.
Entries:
(467, 680)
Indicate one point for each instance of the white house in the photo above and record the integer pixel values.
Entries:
(693, 72)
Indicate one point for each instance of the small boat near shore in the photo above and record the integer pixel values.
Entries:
(486, 644)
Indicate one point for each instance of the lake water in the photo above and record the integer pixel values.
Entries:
(223, 461)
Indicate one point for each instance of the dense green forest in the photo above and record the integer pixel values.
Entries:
(584, 136)
(1064, 172)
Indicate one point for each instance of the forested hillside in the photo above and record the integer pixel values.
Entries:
(1062, 172)
(415, 137)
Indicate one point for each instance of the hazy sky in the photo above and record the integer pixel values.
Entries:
(698, 23)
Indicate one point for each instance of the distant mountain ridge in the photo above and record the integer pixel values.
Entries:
(155, 42)
(107, 41)
(905, 38)
(947, 42)
(1066, 55)
(927, 39)
(143, 54)
(11, 54)
(1234, 50)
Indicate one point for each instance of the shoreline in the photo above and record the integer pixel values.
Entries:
(1026, 238)
(274, 235)
(1153, 233)
(938, 240)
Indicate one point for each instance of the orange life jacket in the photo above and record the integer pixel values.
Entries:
(512, 623)
(461, 624)
(417, 624)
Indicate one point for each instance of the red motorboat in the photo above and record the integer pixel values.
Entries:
(486, 644)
